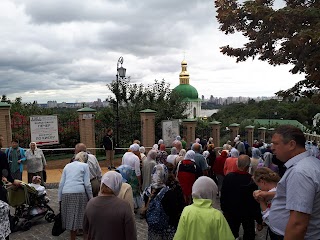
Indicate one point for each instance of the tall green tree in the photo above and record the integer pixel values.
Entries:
(289, 35)
(133, 98)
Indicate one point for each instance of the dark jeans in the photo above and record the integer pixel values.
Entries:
(248, 225)
(274, 236)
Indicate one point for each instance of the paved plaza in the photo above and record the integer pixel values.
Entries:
(42, 229)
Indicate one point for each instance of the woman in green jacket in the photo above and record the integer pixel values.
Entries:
(200, 220)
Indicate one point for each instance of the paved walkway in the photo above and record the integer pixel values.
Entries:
(42, 229)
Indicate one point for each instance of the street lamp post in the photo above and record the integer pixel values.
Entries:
(121, 73)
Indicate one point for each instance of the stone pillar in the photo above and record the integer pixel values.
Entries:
(249, 130)
(262, 133)
(5, 123)
(86, 127)
(147, 117)
(215, 126)
(234, 131)
(270, 134)
(190, 130)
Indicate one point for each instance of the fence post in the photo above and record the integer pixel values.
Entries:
(215, 127)
(250, 130)
(190, 126)
(148, 117)
(86, 127)
(234, 130)
(262, 133)
(5, 123)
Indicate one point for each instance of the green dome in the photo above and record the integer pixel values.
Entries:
(186, 91)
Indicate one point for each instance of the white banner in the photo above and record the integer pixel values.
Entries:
(170, 129)
(44, 130)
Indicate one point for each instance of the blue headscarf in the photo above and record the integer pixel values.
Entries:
(126, 172)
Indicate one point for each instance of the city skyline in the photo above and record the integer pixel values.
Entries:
(68, 51)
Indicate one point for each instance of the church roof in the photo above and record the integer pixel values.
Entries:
(184, 89)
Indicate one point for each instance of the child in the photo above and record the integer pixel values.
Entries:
(267, 181)
(36, 181)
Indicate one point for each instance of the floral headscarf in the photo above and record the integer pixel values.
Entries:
(159, 176)
(126, 172)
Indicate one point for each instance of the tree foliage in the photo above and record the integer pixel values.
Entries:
(133, 98)
(302, 110)
(289, 35)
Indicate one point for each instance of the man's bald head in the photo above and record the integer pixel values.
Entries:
(196, 147)
(80, 147)
(243, 162)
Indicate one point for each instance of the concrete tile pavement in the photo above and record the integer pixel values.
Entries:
(42, 229)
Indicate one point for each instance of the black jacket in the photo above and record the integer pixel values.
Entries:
(108, 142)
(237, 196)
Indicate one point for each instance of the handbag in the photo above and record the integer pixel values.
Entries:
(44, 175)
(57, 228)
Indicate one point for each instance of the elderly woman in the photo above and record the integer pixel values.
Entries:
(255, 160)
(74, 193)
(200, 220)
(172, 157)
(36, 162)
(268, 162)
(147, 167)
(126, 190)
(162, 154)
(4, 220)
(131, 159)
(107, 216)
(231, 162)
(165, 204)
(180, 157)
(186, 174)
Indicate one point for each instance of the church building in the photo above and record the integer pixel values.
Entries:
(188, 93)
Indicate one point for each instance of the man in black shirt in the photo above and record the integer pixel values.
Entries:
(109, 148)
(4, 172)
(237, 202)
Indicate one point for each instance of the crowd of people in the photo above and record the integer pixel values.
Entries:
(275, 185)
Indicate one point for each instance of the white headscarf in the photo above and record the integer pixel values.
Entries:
(35, 145)
(234, 153)
(205, 188)
(142, 149)
(134, 147)
(155, 147)
(112, 180)
(182, 152)
(160, 142)
(206, 154)
(190, 155)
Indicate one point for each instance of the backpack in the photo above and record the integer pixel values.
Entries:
(156, 217)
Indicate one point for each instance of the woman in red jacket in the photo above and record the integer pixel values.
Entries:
(218, 168)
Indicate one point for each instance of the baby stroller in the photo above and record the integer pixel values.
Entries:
(29, 207)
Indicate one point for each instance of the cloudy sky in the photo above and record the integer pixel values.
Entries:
(68, 50)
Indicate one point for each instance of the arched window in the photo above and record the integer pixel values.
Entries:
(194, 112)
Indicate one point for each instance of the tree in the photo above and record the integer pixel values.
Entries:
(289, 35)
(133, 98)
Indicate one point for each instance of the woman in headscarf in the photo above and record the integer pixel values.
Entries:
(131, 159)
(164, 206)
(231, 162)
(255, 160)
(36, 162)
(218, 167)
(174, 154)
(180, 157)
(200, 220)
(186, 174)
(268, 162)
(162, 154)
(147, 167)
(74, 193)
(126, 190)
(108, 215)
